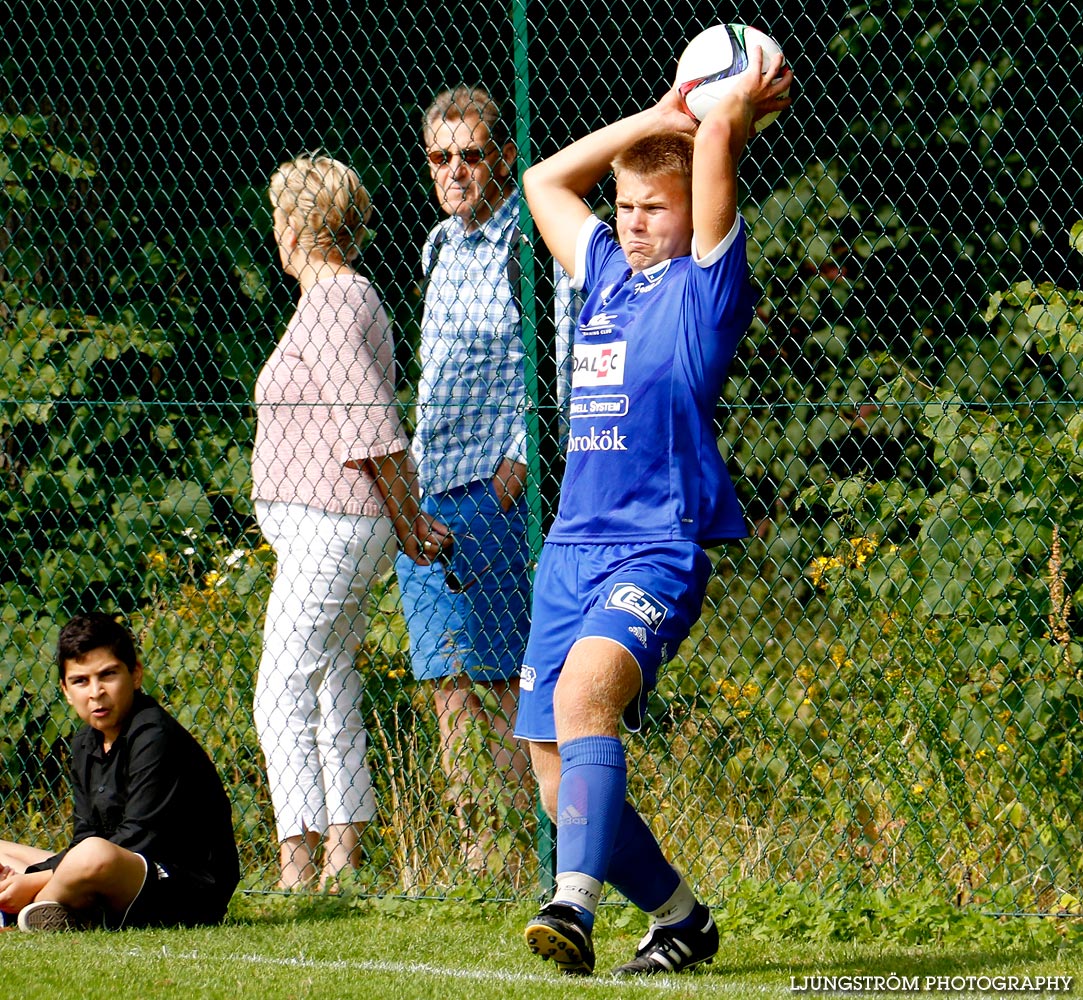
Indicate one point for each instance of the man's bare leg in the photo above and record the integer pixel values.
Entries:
(464, 706)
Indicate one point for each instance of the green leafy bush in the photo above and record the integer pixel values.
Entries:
(115, 460)
(957, 611)
(114, 427)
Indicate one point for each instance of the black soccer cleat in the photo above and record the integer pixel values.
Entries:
(557, 932)
(673, 949)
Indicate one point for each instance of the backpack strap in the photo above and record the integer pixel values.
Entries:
(513, 268)
(434, 255)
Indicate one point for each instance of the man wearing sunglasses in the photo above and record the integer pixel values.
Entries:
(468, 611)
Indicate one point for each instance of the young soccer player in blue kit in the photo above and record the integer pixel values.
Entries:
(623, 573)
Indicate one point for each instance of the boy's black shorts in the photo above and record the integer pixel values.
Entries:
(173, 897)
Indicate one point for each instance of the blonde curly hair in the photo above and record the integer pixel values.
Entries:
(324, 202)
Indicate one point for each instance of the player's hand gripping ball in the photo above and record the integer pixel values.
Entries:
(709, 62)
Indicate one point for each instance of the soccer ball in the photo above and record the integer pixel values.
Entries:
(708, 63)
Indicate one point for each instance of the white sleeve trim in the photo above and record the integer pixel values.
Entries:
(716, 254)
(590, 223)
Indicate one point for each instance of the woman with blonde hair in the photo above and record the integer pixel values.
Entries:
(333, 488)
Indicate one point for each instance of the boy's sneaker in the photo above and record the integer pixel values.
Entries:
(673, 949)
(558, 933)
(49, 916)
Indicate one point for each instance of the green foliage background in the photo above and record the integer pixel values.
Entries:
(885, 687)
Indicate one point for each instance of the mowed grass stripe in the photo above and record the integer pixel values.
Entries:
(660, 983)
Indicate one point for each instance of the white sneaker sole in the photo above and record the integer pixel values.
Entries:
(47, 916)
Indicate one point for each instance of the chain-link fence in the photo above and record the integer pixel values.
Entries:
(885, 685)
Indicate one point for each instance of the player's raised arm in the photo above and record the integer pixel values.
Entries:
(721, 140)
(555, 187)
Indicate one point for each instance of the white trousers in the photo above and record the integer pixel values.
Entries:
(308, 689)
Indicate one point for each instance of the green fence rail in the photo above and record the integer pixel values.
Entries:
(886, 686)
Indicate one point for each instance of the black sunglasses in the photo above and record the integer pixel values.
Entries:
(451, 579)
(471, 156)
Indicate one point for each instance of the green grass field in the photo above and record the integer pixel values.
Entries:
(394, 949)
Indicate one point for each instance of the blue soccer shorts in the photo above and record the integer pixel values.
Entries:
(645, 597)
(470, 614)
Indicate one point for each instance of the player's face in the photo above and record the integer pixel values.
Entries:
(471, 171)
(654, 218)
(101, 689)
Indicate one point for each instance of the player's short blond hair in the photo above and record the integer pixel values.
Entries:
(661, 153)
(324, 202)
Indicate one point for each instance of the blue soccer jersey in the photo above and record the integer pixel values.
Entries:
(651, 353)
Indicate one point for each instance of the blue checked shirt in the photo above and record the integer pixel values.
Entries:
(471, 410)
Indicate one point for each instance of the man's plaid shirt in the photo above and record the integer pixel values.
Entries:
(472, 394)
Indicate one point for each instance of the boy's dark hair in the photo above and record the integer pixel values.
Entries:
(85, 633)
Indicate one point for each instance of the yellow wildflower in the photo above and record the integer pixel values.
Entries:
(864, 548)
(820, 567)
(730, 691)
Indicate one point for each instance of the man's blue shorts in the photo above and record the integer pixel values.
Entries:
(646, 597)
(482, 629)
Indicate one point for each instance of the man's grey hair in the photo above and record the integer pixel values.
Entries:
(460, 102)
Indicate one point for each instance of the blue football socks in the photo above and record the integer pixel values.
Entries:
(637, 868)
(590, 807)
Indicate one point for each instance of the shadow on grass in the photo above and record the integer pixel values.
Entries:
(250, 909)
(273, 908)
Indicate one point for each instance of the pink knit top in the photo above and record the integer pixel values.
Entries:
(326, 397)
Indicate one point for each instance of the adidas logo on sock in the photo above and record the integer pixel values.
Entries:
(571, 817)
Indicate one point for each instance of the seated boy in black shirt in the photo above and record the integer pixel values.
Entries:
(153, 842)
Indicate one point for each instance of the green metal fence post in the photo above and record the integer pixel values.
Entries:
(546, 845)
